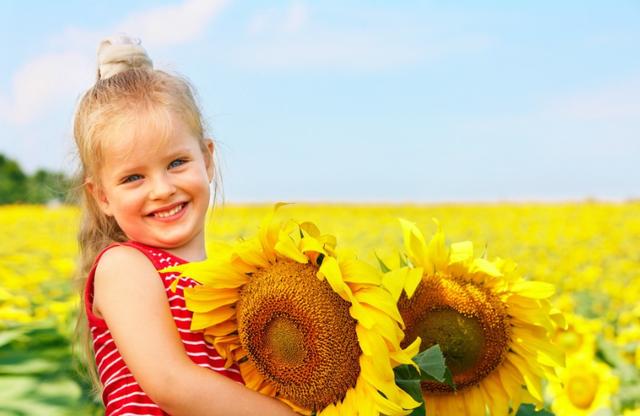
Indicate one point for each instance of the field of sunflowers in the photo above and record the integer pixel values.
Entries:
(588, 251)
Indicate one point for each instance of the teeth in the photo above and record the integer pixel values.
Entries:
(169, 213)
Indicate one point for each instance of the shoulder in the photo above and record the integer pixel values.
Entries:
(124, 271)
(123, 259)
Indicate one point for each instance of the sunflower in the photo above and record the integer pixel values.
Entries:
(584, 387)
(578, 338)
(305, 324)
(492, 326)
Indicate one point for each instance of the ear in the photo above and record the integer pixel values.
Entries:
(99, 196)
(208, 158)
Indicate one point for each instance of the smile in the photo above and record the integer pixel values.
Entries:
(170, 212)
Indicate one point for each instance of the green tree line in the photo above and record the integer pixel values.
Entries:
(43, 186)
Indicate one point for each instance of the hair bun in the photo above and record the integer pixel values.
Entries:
(120, 53)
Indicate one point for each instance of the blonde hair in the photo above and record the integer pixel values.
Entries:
(125, 85)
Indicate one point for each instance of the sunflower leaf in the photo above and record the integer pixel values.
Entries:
(383, 266)
(408, 379)
(527, 409)
(431, 363)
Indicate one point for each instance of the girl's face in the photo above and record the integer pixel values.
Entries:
(156, 186)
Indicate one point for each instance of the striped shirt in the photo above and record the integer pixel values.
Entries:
(121, 393)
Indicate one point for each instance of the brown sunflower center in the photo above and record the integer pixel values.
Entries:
(468, 322)
(299, 335)
(582, 389)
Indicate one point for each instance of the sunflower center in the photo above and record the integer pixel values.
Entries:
(285, 341)
(468, 322)
(461, 338)
(299, 334)
(582, 389)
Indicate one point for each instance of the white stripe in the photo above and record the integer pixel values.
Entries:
(233, 370)
(100, 336)
(181, 319)
(176, 297)
(105, 357)
(177, 287)
(196, 343)
(197, 354)
(110, 381)
(117, 360)
(137, 405)
(136, 414)
(179, 308)
(103, 345)
(122, 387)
(136, 393)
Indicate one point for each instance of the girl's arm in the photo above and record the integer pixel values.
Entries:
(132, 300)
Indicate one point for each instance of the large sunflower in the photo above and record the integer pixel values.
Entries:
(493, 327)
(304, 324)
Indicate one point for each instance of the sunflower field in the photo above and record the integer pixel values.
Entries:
(590, 253)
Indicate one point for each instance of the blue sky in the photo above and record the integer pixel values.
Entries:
(359, 101)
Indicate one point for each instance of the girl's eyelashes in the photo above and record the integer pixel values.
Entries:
(131, 178)
(177, 162)
(135, 177)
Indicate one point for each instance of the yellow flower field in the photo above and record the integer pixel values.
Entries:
(589, 251)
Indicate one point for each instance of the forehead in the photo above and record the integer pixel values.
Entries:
(143, 134)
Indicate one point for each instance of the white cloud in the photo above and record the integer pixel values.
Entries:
(270, 21)
(615, 102)
(41, 83)
(297, 16)
(172, 25)
(290, 38)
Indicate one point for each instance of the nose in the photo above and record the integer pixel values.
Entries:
(161, 187)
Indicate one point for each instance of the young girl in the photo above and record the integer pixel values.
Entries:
(147, 169)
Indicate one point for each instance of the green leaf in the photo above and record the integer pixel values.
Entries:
(431, 363)
(408, 379)
(7, 336)
(383, 266)
(448, 379)
(527, 409)
(403, 260)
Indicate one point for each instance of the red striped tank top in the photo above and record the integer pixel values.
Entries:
(121, 393)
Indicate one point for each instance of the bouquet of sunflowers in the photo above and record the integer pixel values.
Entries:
(433, 328)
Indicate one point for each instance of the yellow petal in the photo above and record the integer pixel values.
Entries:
(535, 290)
(287, 248)
(330, 270)
(203, 320)
(356, 271)
(414, 242)
(461, 252)
(381, 299)
(204, 298)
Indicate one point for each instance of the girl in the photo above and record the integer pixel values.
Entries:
(146, 168)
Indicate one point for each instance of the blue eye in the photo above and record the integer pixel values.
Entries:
(131, 178)
(177, 163)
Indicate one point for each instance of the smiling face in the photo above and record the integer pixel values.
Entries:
(154, 180)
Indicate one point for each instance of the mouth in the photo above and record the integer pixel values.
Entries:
(169, 212)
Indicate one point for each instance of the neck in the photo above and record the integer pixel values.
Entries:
(193, 251)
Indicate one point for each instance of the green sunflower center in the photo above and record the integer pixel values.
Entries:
(299, 334)
(468, 322)
(461, 338)
(285, 342)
